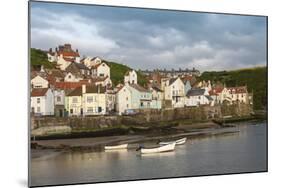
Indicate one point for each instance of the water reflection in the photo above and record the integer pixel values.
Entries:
(242, 151)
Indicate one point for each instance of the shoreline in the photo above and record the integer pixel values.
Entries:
(191, 131)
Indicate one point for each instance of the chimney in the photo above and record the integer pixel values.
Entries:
(50, 50)
(56, 49)
(76, 50)
(83, 88)
(42, 68)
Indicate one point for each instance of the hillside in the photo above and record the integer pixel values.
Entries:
(254, 78)
(38, 58)
(117, 72)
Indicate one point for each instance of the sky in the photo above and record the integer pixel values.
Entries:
(151, 39)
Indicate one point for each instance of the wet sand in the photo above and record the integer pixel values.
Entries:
(98, 143)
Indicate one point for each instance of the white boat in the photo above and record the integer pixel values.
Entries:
(122, 146)
(178, 142)
(168, 147)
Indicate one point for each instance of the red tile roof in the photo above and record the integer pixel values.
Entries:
(38, 92)
(235, 90)
(68, 85)
(69, 59)
(68, 54)
(216, 91)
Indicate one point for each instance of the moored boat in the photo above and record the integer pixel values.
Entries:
(178, 142)
(165, 148)
(122, 146)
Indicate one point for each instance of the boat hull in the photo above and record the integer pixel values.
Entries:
(165, 148)
(122, 146)
(178, 142)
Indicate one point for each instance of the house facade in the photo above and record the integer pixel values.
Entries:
(93, 100)
(174, 91)
(197, 97)
(73, 102)
(140, 97)
(239, 94)
(131, 77)
(39, 82)
(42, 101)
(59, 100)
(123, 99)
(101, 70)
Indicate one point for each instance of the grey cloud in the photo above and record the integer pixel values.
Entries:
(150, 39)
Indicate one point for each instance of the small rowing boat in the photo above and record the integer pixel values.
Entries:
(122, 146)
(165, 148)
(178, 142)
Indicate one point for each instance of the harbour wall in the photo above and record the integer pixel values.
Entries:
(144, 117)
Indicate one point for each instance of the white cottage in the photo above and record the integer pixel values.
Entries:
(101, 70)
(42, 101)
(123, 100)
(196, 97)
(174, 91)
(39, 82)
(70, 77)
(90, 62)
(131, 77)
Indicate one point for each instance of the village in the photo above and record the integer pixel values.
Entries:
(83, 87)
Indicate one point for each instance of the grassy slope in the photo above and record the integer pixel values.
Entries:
(118, 71)
(254, 78)
(38, 58)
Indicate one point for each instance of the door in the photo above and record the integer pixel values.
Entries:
(60, 113)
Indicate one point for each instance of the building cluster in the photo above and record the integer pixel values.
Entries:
(83, 87)
(172, 72)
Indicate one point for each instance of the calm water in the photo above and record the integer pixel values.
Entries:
(244, 151)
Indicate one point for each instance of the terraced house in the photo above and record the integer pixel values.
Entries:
(86, 100)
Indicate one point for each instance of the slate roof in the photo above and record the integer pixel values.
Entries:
(209, 97)
(195, 92)
(81, 66)
(172, 80)
(156, 89)
(139, 88)
(75, 92)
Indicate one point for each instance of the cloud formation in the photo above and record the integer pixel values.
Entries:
(148, 39)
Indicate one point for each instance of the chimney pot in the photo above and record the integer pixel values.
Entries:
(83, 88)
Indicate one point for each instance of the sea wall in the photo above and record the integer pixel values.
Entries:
(144, 117)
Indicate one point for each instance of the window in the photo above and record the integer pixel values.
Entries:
(89, 99)
(38, 109)
(141, 103)
(58, 98)
(69, 76)
(74, 100)
(126, 98)
(127, 105)
(102, 75)
(90, 110)
(71, 111)
(38, 100)
(148, 103)
(103, 64)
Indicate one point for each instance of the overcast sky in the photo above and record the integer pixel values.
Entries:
(148, 39)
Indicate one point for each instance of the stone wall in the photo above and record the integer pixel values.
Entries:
(145, 116)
